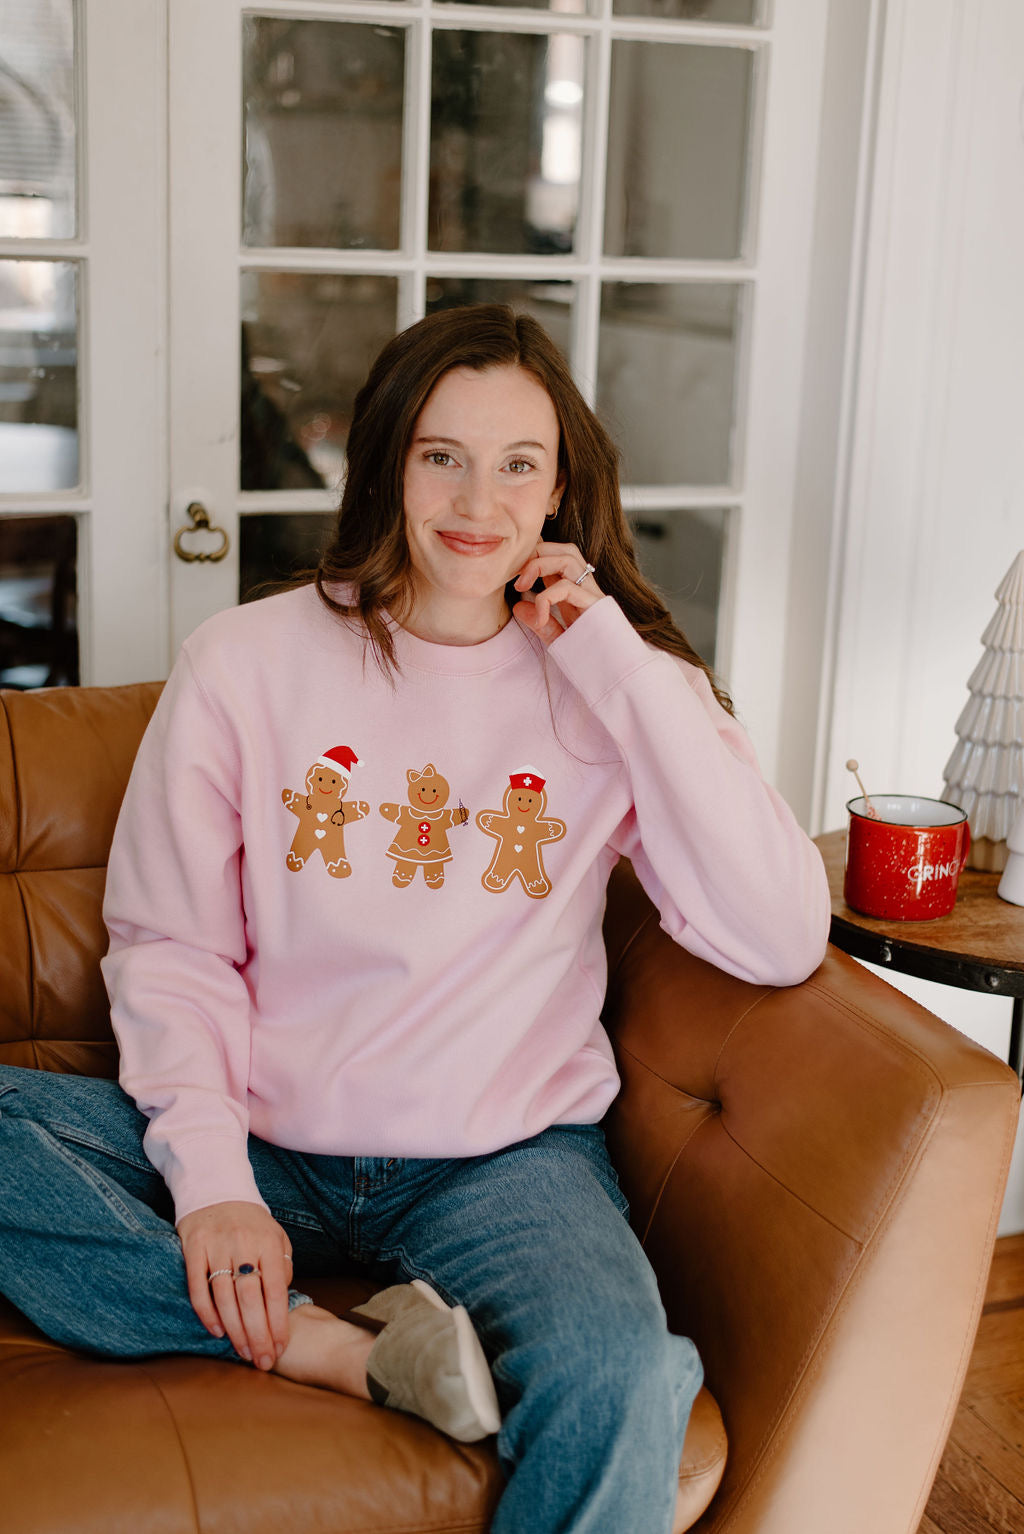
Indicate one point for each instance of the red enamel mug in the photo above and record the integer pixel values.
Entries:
(904, 864)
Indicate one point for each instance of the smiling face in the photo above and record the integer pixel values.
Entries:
(481, 474)
(322, 783)
(428, 790)
(523, 801)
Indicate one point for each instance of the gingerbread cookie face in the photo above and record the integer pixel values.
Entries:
(421, 840)
(323, 812)
(427, 789)
(520, 830)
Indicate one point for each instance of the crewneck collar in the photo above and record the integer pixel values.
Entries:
(459, 659)
(508, 644)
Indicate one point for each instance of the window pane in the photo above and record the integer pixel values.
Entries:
(38, 375)
(679, 125)
(37, 119)
(666, 379)
(307, 343)
(38, 610)
(323, 133)
(566, 7)
(276, 546)
(736, 13)
(681, 552)
(549, 302)
(506, 133)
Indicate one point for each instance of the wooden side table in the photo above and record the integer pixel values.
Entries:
(979, 946)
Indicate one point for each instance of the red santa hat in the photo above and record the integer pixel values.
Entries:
(526, 777)
(339, 756)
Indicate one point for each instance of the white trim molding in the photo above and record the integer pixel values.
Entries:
(934, 510)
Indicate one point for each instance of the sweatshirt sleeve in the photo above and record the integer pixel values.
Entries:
(173, 909)
(719, 852)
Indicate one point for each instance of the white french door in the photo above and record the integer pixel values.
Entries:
(637, 174)
(82, 346)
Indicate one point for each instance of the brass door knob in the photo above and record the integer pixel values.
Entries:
(199, 519)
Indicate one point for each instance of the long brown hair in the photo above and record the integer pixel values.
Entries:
(369, 550)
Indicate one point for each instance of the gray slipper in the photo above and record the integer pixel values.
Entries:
(428, 1360)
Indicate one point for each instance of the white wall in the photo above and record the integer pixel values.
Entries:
(934, 510)
(845, 137)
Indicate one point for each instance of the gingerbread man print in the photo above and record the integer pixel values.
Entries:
(421, 840)
(520, 833)
(323, 812)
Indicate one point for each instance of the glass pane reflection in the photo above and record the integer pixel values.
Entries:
(38, 606)
(737, 13)
(274, 547)
(679, 125)
(549, 302)
(506, 135)
(38, 375)
(323, 133)
(307, 342)
(37, 119)
(566, 7)
(682, 552)
(666, 378)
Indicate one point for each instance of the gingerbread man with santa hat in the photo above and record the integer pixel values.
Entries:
(324, 812)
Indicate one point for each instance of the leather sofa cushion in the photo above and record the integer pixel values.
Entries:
(233, 1450)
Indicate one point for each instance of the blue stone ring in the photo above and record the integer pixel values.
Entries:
(245, 1267)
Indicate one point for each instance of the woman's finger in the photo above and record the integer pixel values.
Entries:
(569, 565)
(222, 1287)
(568, 560)
(252, 1305)
(546, 547)
(277, 1271)
(546, 628)
(196, 1271)
(567, 597)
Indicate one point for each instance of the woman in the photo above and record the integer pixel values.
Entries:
(356, 967)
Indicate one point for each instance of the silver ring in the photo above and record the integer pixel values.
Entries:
(217, 1273)
(588, 571)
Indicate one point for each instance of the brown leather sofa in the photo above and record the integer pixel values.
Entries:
(816, 1174)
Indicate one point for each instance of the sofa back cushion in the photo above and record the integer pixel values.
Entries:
(65, 757)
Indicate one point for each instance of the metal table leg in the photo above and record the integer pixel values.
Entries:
(1017, 1038)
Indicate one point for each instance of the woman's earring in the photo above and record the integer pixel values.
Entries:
(554, 512)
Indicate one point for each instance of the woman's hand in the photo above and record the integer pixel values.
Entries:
(550, 612)
(251, 1307)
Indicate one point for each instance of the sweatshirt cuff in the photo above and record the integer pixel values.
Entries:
(600, 650)
(208, 1170)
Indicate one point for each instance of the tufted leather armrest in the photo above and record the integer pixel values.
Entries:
(65, 757)
(816, 1173)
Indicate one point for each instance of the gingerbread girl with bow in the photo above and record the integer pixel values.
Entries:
(423, 825)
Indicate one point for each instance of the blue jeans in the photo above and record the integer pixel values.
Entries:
(595, 1393)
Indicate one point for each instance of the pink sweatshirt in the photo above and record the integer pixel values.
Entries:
(360, 919)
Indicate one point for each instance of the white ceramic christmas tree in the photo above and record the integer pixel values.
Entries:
(985, 774)
(1011, 885)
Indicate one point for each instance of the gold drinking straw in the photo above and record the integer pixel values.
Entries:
(852, 766)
